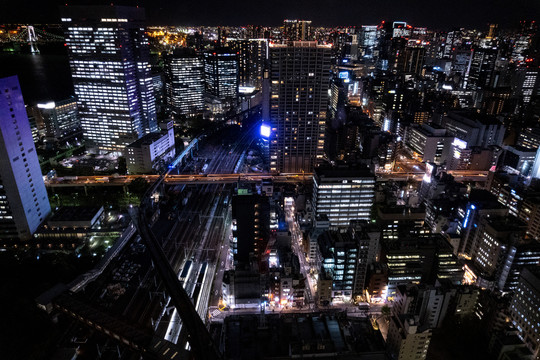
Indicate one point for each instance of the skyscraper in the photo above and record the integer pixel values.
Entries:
(300, 79)
(524, 308)
(61, 118)
(108, 54)
(480, 74)
(297, 30)
(23, 198)
(221, 74)
(251, 58)
(184, 71)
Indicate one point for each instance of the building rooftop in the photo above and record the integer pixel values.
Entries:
(293, 335)
(147, 139)
(343, 171)
(472, 116)
(506, 224)
(75, 213)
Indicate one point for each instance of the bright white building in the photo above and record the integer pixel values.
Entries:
(150, 152)
(24, 203)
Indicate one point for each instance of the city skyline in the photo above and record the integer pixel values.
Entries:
(270, 192)
(445, 15)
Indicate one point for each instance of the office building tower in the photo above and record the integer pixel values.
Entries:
(481, 69)
(527, 83)
(252, 55)
(300, 79)
(343, 193)
(250, 224)
(108, 55)
(497, 243)
(184, 73)
(429, 143)
(401, 29)
(422, 259)
(474, 129)
(407, 339)
(421, 117)
(529, 212)
(529, 138)
(297, 30)
(23, 198)
(523, 40)
(517, 160)
(414, 57)
(60, 118)
(481, 204)
(430, 303)
(344, 259)
(154, 151)
(221, 74)
(524, 309)
(368, 41)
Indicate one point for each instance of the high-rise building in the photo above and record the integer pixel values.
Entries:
(250, 222)
(481, 204)
(407, 339)
(221, 74)
(251, 60)
(421, 259)
(527, 83)
(345, 257)
(429, 143)
(61, 118)
(524, 309)
(108, 54)
(343, 193)
(429, 303)
(529, 138)
(414, 57)
(480, 74)
(300, 79)
(498, 242)
(368, 41)
(297, 30)
(23, 198)
(474, 129)
(184, 72)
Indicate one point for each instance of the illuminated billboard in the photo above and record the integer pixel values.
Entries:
(265, 131)
(343, 75)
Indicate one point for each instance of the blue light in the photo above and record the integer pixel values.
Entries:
(343, 75)
(473, 207)
(265, 131)
(465, 222)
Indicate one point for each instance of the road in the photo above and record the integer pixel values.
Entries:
(296, 243)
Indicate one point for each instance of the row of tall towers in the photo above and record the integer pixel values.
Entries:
(108, 53)
(109, 59)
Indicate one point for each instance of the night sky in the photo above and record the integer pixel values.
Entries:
(442, 14)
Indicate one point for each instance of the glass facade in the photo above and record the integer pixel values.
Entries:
(343, 199)
(185, 82)
(108, 53)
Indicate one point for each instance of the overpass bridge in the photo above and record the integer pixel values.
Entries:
(82, 181)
